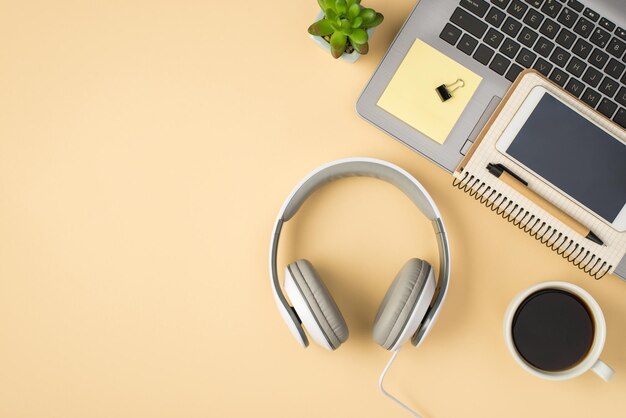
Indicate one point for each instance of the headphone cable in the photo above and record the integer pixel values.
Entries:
(387, 394)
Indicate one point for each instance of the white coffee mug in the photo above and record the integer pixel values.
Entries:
(592, 359)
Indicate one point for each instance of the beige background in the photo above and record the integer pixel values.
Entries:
(145, 149)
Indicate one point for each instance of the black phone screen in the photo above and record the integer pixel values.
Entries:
(574, 155)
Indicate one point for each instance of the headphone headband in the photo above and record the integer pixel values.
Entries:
(360, 167)
(357, 167)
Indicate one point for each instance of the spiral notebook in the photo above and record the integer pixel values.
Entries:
(472, 177)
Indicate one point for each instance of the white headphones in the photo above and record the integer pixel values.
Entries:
(411, 304)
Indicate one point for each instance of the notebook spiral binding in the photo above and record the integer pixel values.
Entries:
(516, 214)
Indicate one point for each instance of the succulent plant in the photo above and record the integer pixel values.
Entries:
(345, 24)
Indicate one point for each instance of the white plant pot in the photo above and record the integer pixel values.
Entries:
(325, 45)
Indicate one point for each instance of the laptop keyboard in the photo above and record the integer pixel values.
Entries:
(562, 39)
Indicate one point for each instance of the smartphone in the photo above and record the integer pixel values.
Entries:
(571, 152)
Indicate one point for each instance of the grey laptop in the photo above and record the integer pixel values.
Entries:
(579, 46)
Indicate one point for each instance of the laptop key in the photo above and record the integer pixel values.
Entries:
(483, 54)
(598, 58)
(560, 56)
(591, 97)
(607, 107)
(575, 87)
(559, 77)
(501, 3)
(495, 17)
(621, 33)
(620, 117)
(591, 15)
(583, 27)
(616, 47)
(543, 47)
(543, 66)
(600, 37)
(608, 87)
(567, 17)
(549, 28)
(470, 23)
(467, 44)
(582, 48)
(551, 8)
(621, 96)
(513, 72)
(509, 48)
(527, 37)
(576, 67)
(493, 38)
(566, 38)
(533, 18)
(615, 68)
(450, 34)
(526, 58)
(517, 9)
(511, 27)
(499, 64)
(478, 7)
(607, 24)
(592, 77)
(576, 5)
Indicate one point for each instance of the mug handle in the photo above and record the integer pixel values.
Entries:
(603, 370)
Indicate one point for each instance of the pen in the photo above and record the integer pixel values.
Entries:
(518, 184)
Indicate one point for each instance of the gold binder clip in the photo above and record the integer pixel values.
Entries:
(445, 90)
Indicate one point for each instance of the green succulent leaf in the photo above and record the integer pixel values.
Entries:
(378, 19)
(361, 48)
(351, 2)
(353, 11)
(341, 6)
(322, 4)
(331, 14)
(346, 27)
(322, 27)
(338, 44)
(368, 15)
(336, 26)
(330, 5)
(357, 22)
(358, 37)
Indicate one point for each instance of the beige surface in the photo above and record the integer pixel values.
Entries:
(145, 150)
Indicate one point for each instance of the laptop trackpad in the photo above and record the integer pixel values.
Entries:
(482, 121)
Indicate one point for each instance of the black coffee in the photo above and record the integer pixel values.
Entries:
(553, 330)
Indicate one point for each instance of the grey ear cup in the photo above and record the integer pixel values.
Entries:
(400, 302)
(320, 303)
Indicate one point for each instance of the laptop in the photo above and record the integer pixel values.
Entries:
(579, 46)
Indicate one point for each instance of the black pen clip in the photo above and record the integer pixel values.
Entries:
(498, 169)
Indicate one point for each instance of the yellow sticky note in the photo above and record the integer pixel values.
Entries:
(411, 95)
